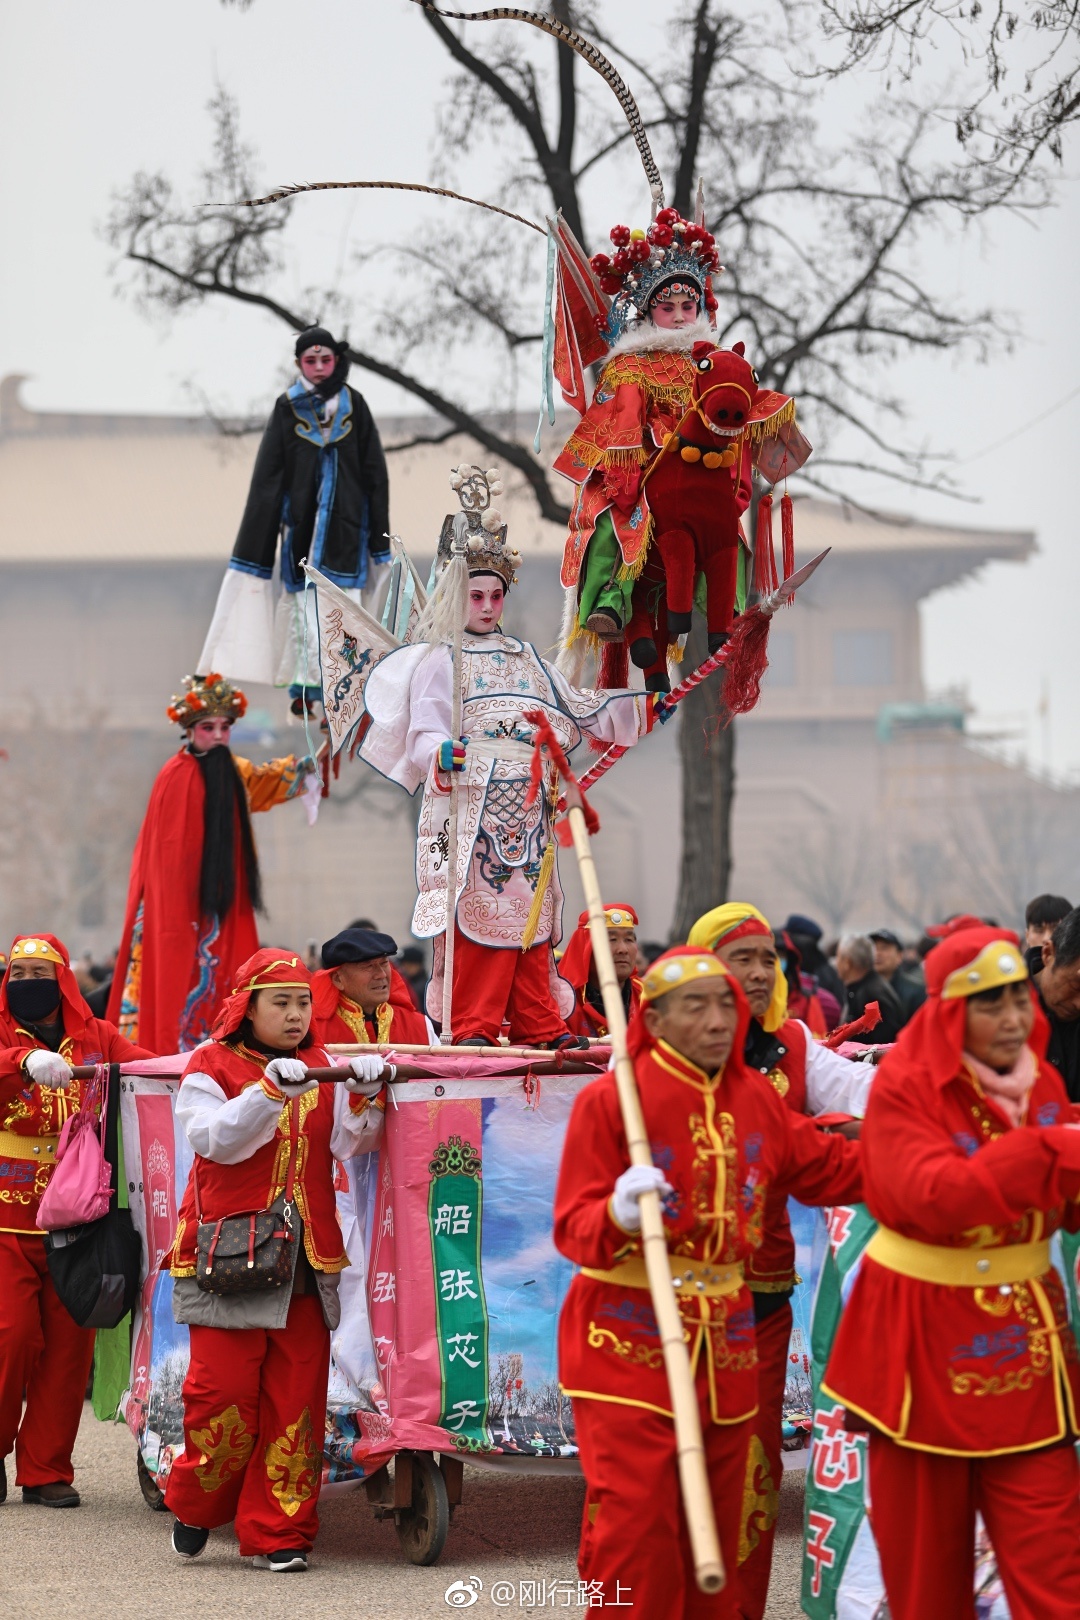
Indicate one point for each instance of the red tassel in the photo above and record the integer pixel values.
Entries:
(787, 529)
(870, 1019)
(614, 670)
(748, 659)
(765, 580)
(546, 738)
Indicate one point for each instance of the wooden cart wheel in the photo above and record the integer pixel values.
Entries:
(422, 1527)
(151, 1495)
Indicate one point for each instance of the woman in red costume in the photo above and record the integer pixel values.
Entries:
(970, 1167)
(46, 1029)
(255, 1392)
(576, 967)
(721, 1141)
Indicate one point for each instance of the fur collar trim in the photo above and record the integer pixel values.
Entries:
(643, 335)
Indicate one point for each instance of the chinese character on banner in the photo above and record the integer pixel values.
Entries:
(453, 1219)
(388, 1221)
(459, 1345)
(457, 1285)
(838, 1221)
(464, 1412)
(837, 1455)
(621, 1599)
(385, 1290)
(823, 1557)
(590, 1595)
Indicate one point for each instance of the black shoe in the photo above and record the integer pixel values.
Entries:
(3, 1481)
(643, 652)
(475, 1040)
(280, 1563)
(605, 623)
(721, 639)
(188, 1539)
(566, 1043)
(58, 1494)
(657, 683)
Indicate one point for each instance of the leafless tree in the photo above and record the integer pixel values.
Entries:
(820, 237)
(1024, 80)
(832, 866)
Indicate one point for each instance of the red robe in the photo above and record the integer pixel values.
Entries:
(172, 970)
(337, 1021)
(964, 1370)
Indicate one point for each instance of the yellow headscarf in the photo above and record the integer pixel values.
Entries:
(737, 919)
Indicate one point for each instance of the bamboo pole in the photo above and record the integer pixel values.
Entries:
(690, 1447)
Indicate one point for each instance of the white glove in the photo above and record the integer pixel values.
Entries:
(640, 1178)
(47, 1069)
(368, 1075)
(291, 1072)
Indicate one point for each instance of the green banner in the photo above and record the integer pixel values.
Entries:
(836, 1473)
(455, 1205)
(1070, 1270)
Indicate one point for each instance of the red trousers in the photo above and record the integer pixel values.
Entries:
(492, 985)
(923, 1514)
(254, 1421)
(634, 1540)
(44, 1356)
(764, 1465)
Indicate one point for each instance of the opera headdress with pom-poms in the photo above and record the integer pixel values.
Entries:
(206, 697)
(674, 255)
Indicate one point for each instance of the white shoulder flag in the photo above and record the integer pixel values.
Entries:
(351, 643)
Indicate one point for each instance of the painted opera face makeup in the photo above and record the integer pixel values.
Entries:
(211, 733)
(487, 593)
(675, 312)
(317, 363)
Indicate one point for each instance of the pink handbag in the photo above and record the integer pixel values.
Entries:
(80, 1188)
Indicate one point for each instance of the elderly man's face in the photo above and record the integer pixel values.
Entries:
(23, 968)
(366, 983)
(698, 1019)
(623, 942)
(754, 962)
(1060, 985)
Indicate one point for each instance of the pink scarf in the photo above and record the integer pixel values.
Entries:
(1010, 1090)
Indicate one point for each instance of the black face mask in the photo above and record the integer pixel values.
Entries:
(33, 1000)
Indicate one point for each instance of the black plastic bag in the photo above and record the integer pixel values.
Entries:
(96, 1269)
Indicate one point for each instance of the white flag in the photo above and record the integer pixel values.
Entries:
(351, 643)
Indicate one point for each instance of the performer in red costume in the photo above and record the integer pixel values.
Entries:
(973, 1403)
(721, 1142)
(195, 886)
(359, 996)
(576, 967)
(811, 1080)
(255, 1392)
(46, 1029)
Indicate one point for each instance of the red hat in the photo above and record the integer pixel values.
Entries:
(966, 963)
(678, 966)
(954, 925)
(262, 971)
(75, 1013)
(575, 964)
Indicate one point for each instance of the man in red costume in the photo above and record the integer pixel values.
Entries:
(195, 885)
(576, 966)
(360, 997)
(811, 1080)
(721, 1143)
(46, 1029)
(972, 1403)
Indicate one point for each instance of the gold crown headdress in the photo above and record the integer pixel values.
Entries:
(206, 697)
(480, 525)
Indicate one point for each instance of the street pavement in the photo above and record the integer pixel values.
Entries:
(111, 1560)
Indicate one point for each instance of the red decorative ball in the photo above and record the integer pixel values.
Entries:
(621, 260)
(667, 216)
(661, 235)
(794, 1360)
(708, 238)
(710, 302)
(611, 285)
(639, 250)
(600, 321)
(694, 233)
(600, 263)
(620, 235)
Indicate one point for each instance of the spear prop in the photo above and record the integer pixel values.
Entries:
(693, 1478)
(743, 657)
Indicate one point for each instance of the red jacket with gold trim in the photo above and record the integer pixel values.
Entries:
(303, 1132)
(723, 1142)
(967, 1371)
(337, 1021)
(37, 1114)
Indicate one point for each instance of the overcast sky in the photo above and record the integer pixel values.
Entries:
(90, 94)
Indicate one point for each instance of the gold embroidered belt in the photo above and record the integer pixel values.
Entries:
(690, 1278)
(959, 1268)
(14, 1146)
